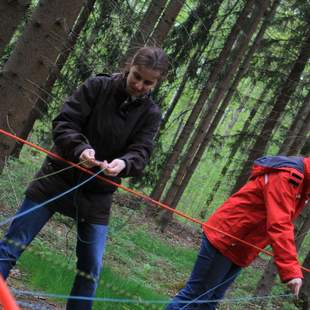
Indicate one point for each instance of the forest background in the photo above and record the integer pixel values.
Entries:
(237, 89)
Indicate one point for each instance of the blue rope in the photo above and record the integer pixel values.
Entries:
(134, 301)
(32, 306)
(49, 200)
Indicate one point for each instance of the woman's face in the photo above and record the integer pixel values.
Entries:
(141, 80)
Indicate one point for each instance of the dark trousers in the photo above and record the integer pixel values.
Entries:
(212, 274)
(91, 239)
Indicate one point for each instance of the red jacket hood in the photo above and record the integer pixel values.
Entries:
(259, 170)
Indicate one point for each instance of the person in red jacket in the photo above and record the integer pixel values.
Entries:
(261, 213)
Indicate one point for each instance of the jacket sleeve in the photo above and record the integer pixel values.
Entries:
(141, 145)
(280, 199)
(68, 126)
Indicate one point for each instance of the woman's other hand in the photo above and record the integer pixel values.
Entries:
(87, 158)
(114, 167)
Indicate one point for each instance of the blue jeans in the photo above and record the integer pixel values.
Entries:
(91, 239)
(212, 274)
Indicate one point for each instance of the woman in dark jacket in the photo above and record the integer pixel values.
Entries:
(108, 124)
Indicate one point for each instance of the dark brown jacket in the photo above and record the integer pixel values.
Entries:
(99, 115)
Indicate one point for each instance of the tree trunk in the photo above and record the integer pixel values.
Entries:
(179, 38)
(302, 133)
(190, 68)
(181, 52)
(28, 67)
(305, 151)
(272, 119)
(148, 23)
(235, 147)
(304, 297)
(205, 129)
(297, 127)
(11, 14)
(41, 106)
(201, 37)
(101, 24)
(188, 128)
(165, 22)
(254, 47)
(266, 282)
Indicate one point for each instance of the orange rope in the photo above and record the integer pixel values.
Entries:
(136, 193)
(6, 299)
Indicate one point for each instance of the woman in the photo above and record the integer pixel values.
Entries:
(109, 123)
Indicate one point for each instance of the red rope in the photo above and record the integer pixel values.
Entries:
(6, 299)
(136, 193)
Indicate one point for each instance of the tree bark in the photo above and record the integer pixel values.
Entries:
(41, 106)
(304, 297)
(181, 53)
(298, 126)
(190, 68)
(101, 24)
(188, 128)
(272, 119)
(11, 14)
(165, 22)
(302, 134)
(206, 15)
(28, 67)
(305, 151)
(235, 147)
(147, 24)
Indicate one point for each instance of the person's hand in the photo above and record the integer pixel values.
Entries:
(87, 158)
(114, 167)
(295, 285)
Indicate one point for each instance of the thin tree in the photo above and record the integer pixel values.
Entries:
(188, 127)
(244, 132)
(145, 28)
(181, 50)
(214, 102)
(165, 22)
(305, 151)
(302, 134)
(29, 65)
(301, 119)
(304, 298)
(279, 106)
(210, 118)
(101, 24)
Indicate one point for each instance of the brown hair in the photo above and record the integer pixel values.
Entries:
(153, 58)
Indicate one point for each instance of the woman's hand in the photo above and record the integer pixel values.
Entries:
(87, 158)
(295, 285)
(114, 167)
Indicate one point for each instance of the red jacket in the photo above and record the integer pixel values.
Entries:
(261, 213)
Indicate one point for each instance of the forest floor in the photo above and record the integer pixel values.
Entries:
(58, 235)
(141, 262)
(176, 235)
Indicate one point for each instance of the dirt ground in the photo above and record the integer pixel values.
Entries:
(176, 234)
